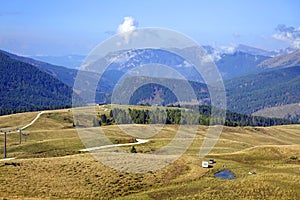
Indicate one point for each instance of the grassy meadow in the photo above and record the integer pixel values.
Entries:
(51, 165)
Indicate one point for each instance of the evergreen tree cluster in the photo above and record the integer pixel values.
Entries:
(189, 115)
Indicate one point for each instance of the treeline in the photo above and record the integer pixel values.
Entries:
(8, 111)
(188, 115)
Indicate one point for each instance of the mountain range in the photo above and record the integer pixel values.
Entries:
(71, 61)
(239, 61)
(74, 61)
(254, 80)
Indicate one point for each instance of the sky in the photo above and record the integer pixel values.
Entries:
(65, 27)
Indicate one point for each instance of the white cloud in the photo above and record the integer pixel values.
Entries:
(129, 24)
(228, 49)
(207, 59)
(288, 34)
(126, 29)
(216, 53)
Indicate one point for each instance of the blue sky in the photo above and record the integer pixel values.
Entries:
(63, 27)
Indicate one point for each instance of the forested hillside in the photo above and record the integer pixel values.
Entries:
(24, 87)
(239, 64)
(254, 92)
(61, 73)
(246, 94)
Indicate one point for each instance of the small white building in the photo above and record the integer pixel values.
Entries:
(204, 164)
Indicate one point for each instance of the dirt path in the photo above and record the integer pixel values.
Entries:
(34, 120)
(139, 141)
(6, 159)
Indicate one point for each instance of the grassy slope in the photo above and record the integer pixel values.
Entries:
(50, 165)
(289, 111)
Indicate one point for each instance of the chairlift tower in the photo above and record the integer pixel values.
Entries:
(25, 135)
(5, 131)
(20, 135)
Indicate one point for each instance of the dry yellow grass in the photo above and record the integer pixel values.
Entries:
(16, 120)
(50, 165)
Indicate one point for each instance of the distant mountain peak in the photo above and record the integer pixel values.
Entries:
(288, 60)
(254, 50)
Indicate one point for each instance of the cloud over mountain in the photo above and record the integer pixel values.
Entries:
(129, 24)
(288, 34)
(126, 29)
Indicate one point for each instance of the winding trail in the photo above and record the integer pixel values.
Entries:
(34, 120)
(139, 141)
(6, 159)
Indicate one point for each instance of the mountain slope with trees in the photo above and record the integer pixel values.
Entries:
(246, 94)
(61, 73)
(68, 76)
(251, 93)
(239, 64)
(24, 87)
